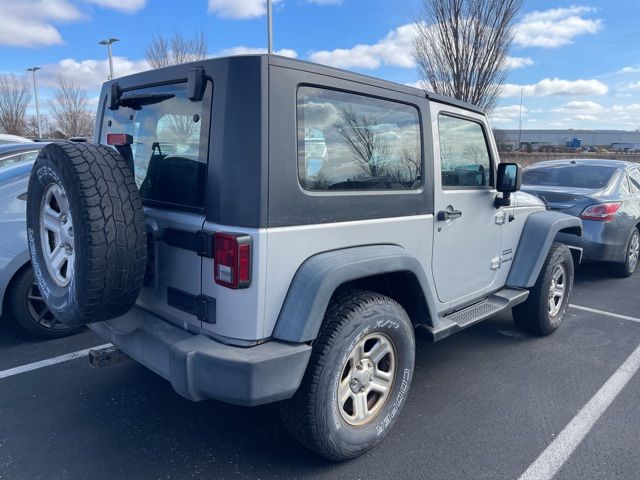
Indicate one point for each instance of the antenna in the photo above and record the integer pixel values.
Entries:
(270, 26)
(520, 126)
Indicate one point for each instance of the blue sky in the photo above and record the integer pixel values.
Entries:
(578, 62)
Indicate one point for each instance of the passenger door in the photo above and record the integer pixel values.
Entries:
(467, 228)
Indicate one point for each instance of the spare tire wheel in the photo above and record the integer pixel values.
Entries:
(86, 232)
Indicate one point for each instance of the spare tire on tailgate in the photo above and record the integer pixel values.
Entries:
(86, 232)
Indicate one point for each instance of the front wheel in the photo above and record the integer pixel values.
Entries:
(543, 312)
(358, 377)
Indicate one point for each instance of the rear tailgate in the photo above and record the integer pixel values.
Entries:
(169, 133)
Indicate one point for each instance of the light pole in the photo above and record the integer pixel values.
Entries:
(35, 92)
(270, 26)
(108, 43)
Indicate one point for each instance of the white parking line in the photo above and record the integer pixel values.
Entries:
(602, 312)
(558, 451)
(50, 361)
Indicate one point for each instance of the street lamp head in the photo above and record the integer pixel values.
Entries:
(108, 41)
(33, 69)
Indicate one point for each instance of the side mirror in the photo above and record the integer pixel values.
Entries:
(509, 180)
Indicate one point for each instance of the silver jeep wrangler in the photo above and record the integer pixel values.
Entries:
(258, 229)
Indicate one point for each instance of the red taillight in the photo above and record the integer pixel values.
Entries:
(601, 212)
(118, 139)
(232, 260)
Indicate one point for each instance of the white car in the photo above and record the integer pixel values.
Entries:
(20, 298)
(5, 139)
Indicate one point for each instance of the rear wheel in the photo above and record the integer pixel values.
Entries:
(358, 377)
(543, 311)
(632, 256)
(27, 307)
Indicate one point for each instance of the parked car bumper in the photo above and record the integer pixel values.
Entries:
(200, 368)
(600, 241)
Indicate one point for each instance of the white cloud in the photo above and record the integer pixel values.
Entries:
(583, 107)
(507, 113)
(90, 74)
(632, 86)
(395, 49)
(242, 50)
(585, 118)
(555, 27)
(556, 87)
(519, 62)
(30, 23)
(421, 84)
(239, 9)
(629, 70)
(127, 6)
(631, 107)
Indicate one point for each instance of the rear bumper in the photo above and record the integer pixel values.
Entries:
(600, 241)
(200, 368)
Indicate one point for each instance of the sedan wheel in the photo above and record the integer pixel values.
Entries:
(634, 252)
(631, 257)
(27, 307)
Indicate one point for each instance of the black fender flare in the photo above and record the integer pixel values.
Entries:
(538, 234)
(319, 276)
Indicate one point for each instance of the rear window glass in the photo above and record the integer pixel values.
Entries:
(354, 142)
(578, 176)
(169, 142)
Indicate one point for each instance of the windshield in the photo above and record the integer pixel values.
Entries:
(577, 176)
(167, 131)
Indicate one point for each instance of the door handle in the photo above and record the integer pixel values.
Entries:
(445, 215)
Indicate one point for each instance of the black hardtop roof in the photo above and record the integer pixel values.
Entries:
(142, 78)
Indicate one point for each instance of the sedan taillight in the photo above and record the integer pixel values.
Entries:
(601, 212)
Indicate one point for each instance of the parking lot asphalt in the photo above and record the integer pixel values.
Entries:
(484, 404)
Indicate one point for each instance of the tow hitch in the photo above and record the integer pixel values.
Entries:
(106, 356)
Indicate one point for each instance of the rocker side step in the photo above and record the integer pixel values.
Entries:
(461, 319)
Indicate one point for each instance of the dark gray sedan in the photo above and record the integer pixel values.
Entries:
(605, 194)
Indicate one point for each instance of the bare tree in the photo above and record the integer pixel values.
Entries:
(370, 149)
(42, 130)
(69, 109)
(15, 95)
(174, 50)
(461, 47)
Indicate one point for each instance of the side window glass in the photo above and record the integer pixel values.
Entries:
(353, 142)
(626, 184)
(634, 177)
(7, 161)
(464, 155)
(29, 157)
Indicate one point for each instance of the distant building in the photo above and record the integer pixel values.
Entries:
(537, 139)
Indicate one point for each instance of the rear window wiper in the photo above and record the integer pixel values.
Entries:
(138, 100)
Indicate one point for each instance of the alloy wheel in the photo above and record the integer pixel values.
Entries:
(367, 379)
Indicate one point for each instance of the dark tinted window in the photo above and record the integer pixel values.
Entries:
(354, 142)
(578, 176)
(169, 142)
(464, 156)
